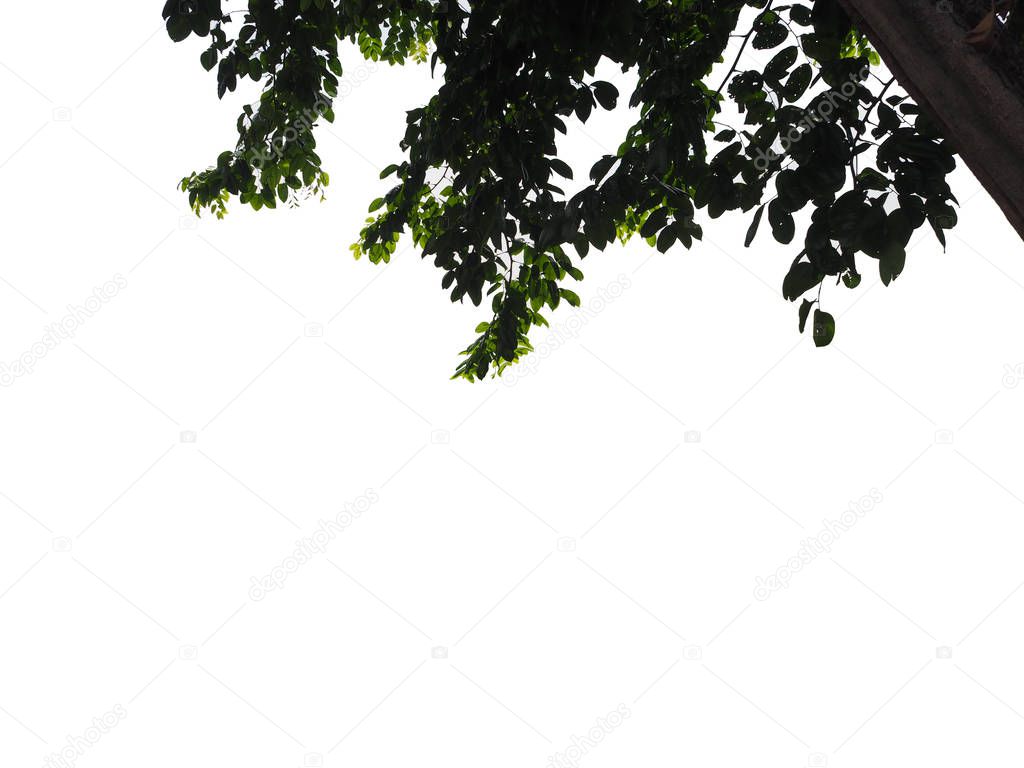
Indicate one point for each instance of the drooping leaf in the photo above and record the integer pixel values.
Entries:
(824, 328)
(802, 277)
(607, 95)
(752, 230)
(805, 310)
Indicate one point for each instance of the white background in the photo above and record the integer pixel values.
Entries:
(126, 553)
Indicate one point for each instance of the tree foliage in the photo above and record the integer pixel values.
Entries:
(814, 134)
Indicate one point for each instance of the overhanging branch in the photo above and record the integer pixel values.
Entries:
(979, 114)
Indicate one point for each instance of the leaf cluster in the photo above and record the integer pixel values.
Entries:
(813, 138)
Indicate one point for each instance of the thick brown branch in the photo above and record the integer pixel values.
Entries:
(979, 114)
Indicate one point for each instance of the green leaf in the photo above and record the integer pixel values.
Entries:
(780, 63)
(601, 168)
(797, 83)
(582, 245)
(666, 238)
(891, 262)
(824, 328)
(560, 167)
(869, 178)
(800, 14)
(846, 215)
(208, 59)
(752, 230)
(801, 278)
(178, 28)
(821, 49)
(607, 95)
(781, 220)
(584, 105)
(805, 311)
(654, 222)
(769, 35)
(570, 296)
(893, 254)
